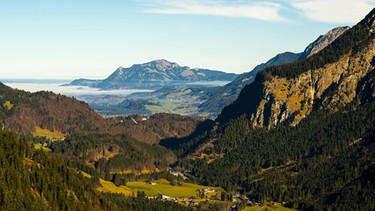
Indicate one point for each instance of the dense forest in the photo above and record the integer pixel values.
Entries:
(112, 153)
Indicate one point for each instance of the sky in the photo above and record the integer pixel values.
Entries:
(69, 39)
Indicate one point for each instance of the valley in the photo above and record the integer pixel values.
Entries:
(296, 133)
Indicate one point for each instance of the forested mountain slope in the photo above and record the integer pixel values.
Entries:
(24, 111)
(301, 134)
(33, 180)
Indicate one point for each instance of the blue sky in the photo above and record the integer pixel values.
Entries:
(91, 38)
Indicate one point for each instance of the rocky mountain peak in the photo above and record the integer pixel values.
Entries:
(161, 64)
(323, 41)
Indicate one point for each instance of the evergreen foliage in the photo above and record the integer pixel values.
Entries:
(33, 180)
(318, 164)
(111, 153)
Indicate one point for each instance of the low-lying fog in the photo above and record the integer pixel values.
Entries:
(34, 85)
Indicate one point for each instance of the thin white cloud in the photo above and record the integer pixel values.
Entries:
(334, 11)
(72, 91)
(265, 11)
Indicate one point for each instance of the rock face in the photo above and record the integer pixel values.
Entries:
(296, 97)
(323, 41)
(328, 80)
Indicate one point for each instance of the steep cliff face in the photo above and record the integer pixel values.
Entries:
(328, 80)
(330, 87)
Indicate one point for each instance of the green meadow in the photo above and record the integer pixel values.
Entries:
(157, 187)
(48, 134)
(42, 146)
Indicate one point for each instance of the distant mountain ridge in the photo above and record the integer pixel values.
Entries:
(155, 75)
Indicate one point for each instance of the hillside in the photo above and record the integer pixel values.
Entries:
(33, 180)
(156, 127)
(109, 154)
(24, 111)
(301, 134)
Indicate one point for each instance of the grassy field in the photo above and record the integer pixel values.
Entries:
(48, 134)
(42, 146)
(108, 186)
(160, 187)
(163, 187)
(8, 105)
(268, 207)
(179, 94)
(164, 106)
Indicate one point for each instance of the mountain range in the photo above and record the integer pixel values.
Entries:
(154, 75)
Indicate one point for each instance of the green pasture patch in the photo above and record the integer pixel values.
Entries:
(179, 94)
(164, 106)
(268, 207)
(42, 146)
(107, 186)
(165, 188)
(48, 134)
(8, 105)
(157, 187)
